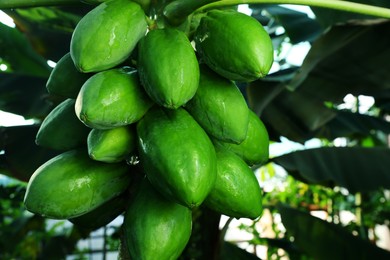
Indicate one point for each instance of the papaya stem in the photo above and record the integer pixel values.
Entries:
(7, 4)
(330, 4)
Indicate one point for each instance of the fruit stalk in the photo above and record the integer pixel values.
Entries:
(5, 4)
(333, 4)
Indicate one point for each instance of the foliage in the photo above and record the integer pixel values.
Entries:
(349, 54)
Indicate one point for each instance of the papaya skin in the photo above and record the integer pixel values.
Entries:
(177, 155)
(168, 68)
(61, 130)
(154, 227)
(236, 192)
(111, 145)
(219, 107)
(245, 55)
(112, 98)
(255, 147)
(107, 35)
(71, 184)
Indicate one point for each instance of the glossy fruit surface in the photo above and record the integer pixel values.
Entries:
(168, 67)
(234, 45)
(219, 107)
(105, 36)
(112, 98)
(72, 184)
(177, 155)
(154, 227)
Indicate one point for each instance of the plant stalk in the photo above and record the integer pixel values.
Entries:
(8, 4)
(331, 4)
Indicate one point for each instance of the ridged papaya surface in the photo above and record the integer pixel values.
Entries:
(234, 45)
(65, 80)
(255, 147)
(112, 98)
(154, 227)
(111, 145)
(219, 107)
(71, 184)
(107, 35)
(168, 67)
(177, 155)
(61, 130)
(236, 192)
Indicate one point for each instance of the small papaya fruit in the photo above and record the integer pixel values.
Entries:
(111, 145)
(65, 80)
(102, 215)
(71, 184)
(112, 98)
(107, 35)
(177, 155)
(245, 55)
(168, 67)
(219, 107)
(236, 192)
(255, 147)
(154, 227)
(61, 130)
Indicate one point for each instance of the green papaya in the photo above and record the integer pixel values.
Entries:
(219, 107)
(255, 147)
(177, 155)
(102, 215)
(65, 80)
(61, 130)
(111, 145)
(245, 55)
(154, 227)
(112, 98)
(236, 192)
(168, 67)
(107, 35)
(71, 184)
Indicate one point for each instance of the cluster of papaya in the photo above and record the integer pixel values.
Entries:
(153, 101)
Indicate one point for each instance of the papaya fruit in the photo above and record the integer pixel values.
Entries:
(236, 192)
(154, 227)
(177, 155)
(107, 35)
(61, 130)
(65, 80)
(246, 52)
(111, 145)
(102, 215)
(168, 67)
(112, 98)
(255, 147)
(219, 107)
(71, 184)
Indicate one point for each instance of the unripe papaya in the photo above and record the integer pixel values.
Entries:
(255, 147)
(177, 155)
(65, 80)
(71, 184)
(101, 215)
(246, 53)
(168, 68)
(112, 98)
(154, 227)
(111, 145)
(61, 130)
(219, 107)
(107, 35)
(236, 192)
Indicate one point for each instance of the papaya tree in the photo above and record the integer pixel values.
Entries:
(164, 112)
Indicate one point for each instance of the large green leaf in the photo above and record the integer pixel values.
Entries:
(230, 251)
(323, 240)
(356, 168)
